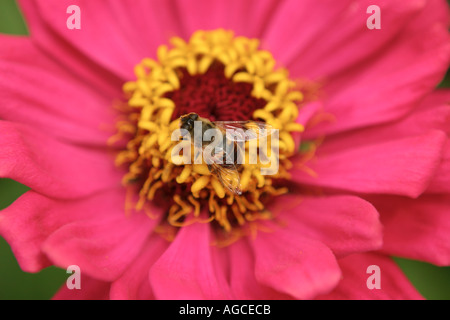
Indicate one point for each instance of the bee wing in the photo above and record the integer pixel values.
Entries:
(225, 170)
(244, 130)
(228, 175)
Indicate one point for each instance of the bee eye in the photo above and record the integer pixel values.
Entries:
(194, 116)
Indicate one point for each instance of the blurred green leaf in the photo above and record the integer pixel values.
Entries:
(11, 21)
(18, 285)
(9, 191)
(446, 81)
(432, 281)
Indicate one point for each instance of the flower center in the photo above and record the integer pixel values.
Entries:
(211, 95)
(222, 78)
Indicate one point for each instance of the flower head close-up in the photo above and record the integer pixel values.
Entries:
(227, 150)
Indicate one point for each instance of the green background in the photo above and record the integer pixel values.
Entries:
(431, 281)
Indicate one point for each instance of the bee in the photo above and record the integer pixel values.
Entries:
(225, 160)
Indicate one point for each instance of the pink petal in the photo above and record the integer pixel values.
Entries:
(337, 44)
(296, 265)
(413, 65)
(248, 18)
(440, 100)
(346, 224)
(403, 166)
(52, 167)
(439, 97)
(91, 289)
(440, 181)
(308, 111)
(92, 232)
(190, 268)
(306, 117)
(330, 43)
(114, 35)
(134, 284)
(393, 283)
(418, 229)
(242, 275)
(40, 92)
(26, 224)
(295, 24)
(103, 248)
(425, 117)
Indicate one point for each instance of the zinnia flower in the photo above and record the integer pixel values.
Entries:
(364, 152)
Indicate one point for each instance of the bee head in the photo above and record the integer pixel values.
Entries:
(187, 121)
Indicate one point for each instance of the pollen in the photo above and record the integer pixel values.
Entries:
(221, 77)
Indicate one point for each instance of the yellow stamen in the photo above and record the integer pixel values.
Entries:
(150, 123)
(200, 183)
